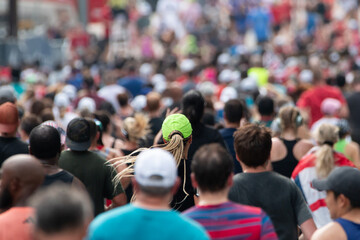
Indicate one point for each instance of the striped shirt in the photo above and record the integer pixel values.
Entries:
(233, 221)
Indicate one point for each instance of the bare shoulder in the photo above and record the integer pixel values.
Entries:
(276, 141)
(306, 143)
(330, 231)
(277, 150)
(353, 146)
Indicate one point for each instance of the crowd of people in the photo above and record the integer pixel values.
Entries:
(221, 119)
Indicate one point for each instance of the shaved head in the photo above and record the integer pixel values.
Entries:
(21, 175)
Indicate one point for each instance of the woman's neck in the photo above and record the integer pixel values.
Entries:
(288, 134)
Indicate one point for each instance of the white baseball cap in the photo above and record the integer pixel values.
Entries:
(87, 103)
(155, 168)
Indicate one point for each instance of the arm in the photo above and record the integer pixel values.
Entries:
(303, 214)
(308, 228)
(117, 201)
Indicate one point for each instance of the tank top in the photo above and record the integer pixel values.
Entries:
(340, 147)
(286, 166)
(63, 177)
(351, 229)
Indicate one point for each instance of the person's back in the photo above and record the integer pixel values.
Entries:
(15, 223)
(288, 149)
(93, 172)
(212, 174)
(139, 223)
(235, 220)
(91, 169)
(277, 195)
(318, 165)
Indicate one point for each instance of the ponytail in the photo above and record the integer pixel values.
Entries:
(324, 160)
(175, 146)
(326, 135)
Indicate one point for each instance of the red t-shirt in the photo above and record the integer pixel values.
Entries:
(313, 98)
(16, 223)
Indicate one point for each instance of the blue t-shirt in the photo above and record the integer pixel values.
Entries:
(228, 136)
(133, 84)
(131, 222)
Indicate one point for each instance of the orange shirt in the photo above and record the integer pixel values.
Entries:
(16, 223)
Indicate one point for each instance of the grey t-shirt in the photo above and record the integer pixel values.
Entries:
(278, 196)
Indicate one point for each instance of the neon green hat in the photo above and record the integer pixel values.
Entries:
(176, 122)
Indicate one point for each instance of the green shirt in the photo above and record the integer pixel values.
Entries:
(95, 173)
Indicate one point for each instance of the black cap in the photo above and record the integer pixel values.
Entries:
(78, 134)
(342, 180)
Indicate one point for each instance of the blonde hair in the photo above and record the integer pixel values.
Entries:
(288, 117)
(175, 146)
(137, 127)
(326, 135)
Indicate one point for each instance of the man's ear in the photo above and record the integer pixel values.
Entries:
(343, 201)
(14, 186)
(193, 180)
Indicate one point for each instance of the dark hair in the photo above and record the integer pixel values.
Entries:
(107, 107)
(37, 107)
(123, 99)
(93, 128)
(47, 115)
(193, 105)
(233, 111)
(29, 122)
(253, 144)
(265, 106)
(61, 208)
(353, 203)
(45, 142)
(104, 118)
(88, 82)
(212, 166)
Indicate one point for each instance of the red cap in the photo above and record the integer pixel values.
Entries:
(9, 117)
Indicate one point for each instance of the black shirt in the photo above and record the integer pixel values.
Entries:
(10, 146)
(354, 115)
(63, 177)
(182, 201)
(202, 135)
(286, 165)
(277, 195)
